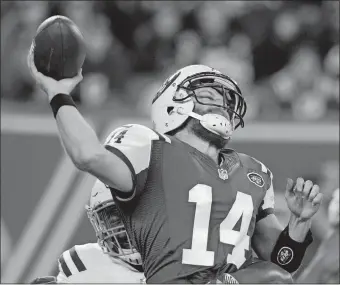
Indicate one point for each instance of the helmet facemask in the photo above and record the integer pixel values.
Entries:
(111, 232)
(175, 102)
(233, 101)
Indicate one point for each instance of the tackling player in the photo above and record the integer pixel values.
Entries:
(190, 206)
(112, 260)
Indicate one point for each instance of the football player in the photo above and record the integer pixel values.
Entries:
(324, 267)
(112, 260)
(190, 205)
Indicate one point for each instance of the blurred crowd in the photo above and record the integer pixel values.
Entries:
(283, 54)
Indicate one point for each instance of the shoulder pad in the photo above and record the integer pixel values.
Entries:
(97, 267)
(80, 258)
(132, 143)
(136, 133)
(251, 162)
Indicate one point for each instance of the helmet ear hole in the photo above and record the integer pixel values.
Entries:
(170, 109)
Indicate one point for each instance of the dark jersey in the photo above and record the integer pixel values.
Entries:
(186, 214)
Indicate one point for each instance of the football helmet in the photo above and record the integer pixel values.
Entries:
(174, 104)
(107, 223)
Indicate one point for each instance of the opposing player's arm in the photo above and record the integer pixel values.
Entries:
(45, 280)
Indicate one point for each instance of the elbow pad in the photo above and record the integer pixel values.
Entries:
(288, 253)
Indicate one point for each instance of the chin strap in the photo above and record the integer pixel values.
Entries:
(132, 258)
(214, 123)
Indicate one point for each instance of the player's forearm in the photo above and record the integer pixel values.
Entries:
(298, 229)
(79, 139)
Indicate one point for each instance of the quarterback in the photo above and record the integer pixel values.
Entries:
(192, 207)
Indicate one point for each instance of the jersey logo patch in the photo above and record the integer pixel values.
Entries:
(256, 179)
(119, 135)
(285, 255)
(223, 174)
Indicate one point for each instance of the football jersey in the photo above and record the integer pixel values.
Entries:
(89, 264)
(186, 214)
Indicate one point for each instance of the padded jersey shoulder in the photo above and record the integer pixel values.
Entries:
(89, 264)
(254, 168)
(133, 144)
(82, 257)
(134, 134)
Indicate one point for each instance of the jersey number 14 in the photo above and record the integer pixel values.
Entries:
(243, 207)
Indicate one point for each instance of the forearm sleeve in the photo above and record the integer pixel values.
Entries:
(287, 253)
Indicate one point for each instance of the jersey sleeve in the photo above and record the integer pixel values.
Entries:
(132, 144)
(70, 265)
(267, 205)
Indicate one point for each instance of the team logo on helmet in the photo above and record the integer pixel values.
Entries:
(166, 85)
(256, 179)
(285, 255)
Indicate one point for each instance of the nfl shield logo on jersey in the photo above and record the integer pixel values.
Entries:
(223, 174)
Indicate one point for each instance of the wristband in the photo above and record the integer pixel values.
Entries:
(60, 100)
(288, 253)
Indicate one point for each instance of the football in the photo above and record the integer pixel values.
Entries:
(59, 48)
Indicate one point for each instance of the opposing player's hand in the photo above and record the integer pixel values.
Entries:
(303, 198)
(51, 86)
(45, 280)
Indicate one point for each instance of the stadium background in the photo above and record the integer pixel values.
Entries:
(284, 55)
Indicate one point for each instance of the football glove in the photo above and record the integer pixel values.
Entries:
(45, 280)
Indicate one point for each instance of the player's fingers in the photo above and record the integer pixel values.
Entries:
(315, 191)
(30, 56)
(30, 62)
(307, 187)
(29, 59)
(299, 185)
(73, 82)
(289, 186)
(318, 199)
(80, 75)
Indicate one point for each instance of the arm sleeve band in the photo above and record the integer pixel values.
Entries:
(288, 253)
(60, 100)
